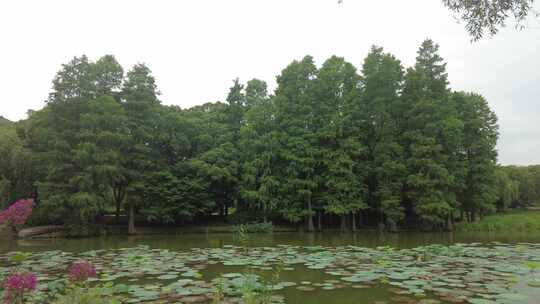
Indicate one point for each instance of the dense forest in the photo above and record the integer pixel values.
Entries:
(384, 146)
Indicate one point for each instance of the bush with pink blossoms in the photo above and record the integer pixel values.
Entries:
(80, 271)
(17, 285)
(17, 214)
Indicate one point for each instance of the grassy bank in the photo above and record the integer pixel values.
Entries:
(522, 220)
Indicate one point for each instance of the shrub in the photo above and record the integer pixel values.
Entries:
(17, 214)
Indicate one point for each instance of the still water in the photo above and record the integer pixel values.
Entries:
(213, 240)
(377, 294)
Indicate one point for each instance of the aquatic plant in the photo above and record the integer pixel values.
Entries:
(249, 290)
(464, 273)
(17, 214)
(81, 271)
(82, 295)
(532, 265)
(241, 233)
(255, 227)
(17, 285)
(219, 295)
(18, 257)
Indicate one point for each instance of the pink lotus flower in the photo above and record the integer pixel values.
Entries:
(18, 284)
(80, 272)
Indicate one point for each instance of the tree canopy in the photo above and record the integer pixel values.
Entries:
(381, 145)
(488, 16)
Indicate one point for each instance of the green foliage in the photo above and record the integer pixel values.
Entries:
(241, 234)
(505, 221)
(83, 295)
(488, 16)
(19, 257)
(378, 122)
(331, 141)
(523, 183)
(254, 228)
(16, 166)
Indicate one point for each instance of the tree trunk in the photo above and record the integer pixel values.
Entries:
(381, 216)
(119, 193)
(131, 220)
(117, 213)
(221, 210)
(319, 220)
(353, 221)
(343, 222)
(449, 225)
(310, 226)
(359, 221)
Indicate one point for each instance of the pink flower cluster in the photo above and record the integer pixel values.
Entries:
(17, 213)
(80, 272)
(17, 284)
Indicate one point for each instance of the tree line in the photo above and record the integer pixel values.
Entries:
(384, 146)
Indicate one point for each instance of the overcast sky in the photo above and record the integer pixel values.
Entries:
(195, 48)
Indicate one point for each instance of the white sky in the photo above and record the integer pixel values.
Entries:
(195, 48)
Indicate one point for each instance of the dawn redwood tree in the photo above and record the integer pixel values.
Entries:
(217, 147)
(109, 75)
(379, 119)
(236, 99)
(104, 141)
(141, 103)
(429, 181)
(339, 169)
(479, 193)
(57, 129)
(294, 121)
(256, 93)
(259, 141)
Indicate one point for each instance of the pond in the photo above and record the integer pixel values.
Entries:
(315, 268)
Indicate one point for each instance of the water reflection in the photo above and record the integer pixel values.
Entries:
(202, 240)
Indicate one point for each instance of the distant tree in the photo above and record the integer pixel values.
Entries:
(508, 189)
(527, 179)
(236, 99)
